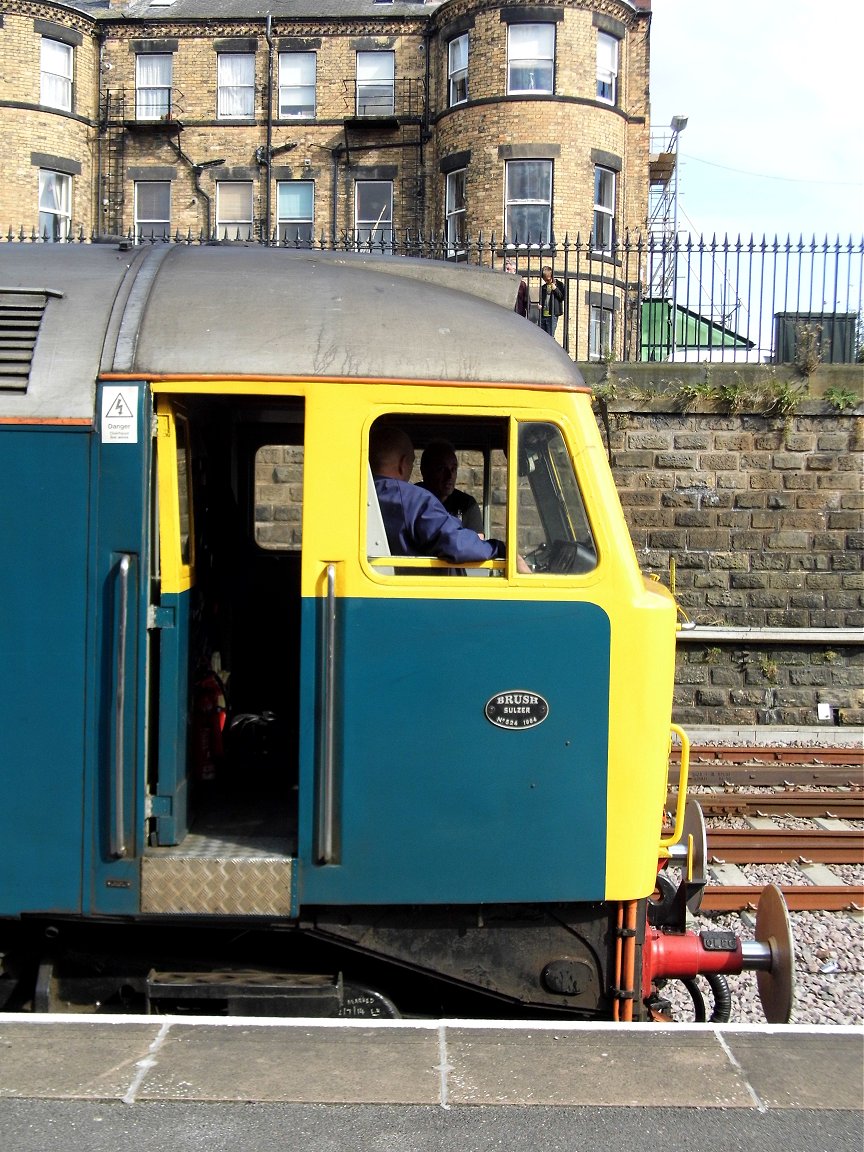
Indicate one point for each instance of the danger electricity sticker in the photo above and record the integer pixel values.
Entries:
(120, 415)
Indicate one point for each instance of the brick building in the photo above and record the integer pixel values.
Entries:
(358, 120)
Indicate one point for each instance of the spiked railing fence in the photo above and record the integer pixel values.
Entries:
(767, 300)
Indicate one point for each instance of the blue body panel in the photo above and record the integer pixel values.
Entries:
(44, 482)
(434, 803)
(120, 500)
(170, 803)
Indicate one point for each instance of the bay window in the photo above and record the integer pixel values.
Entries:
(603, 233)
(55, 205)
(55, 75)
(457, 70)
(528, 202)
(530, 58)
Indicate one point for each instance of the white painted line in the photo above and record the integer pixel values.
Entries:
(444, 1066)
(754, 1095)
(146, 1064)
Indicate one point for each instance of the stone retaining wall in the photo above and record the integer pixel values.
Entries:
(754, 517)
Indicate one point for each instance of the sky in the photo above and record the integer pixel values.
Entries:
(774, 95)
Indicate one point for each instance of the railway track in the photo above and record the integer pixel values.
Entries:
(783, 845)
(798, 897)
(772, 767)
(798, 802)
(765, 754)
(789, 777)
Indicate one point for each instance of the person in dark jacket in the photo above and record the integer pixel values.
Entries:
(522, 301)
(551, 300)
(439, 467)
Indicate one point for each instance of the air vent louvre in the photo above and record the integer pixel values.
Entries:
(20, 317)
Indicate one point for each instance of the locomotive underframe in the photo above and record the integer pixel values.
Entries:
(487, 961)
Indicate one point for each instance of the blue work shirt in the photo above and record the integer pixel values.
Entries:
(417, 524)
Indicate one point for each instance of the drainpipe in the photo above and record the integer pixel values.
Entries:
(268, 32)
(336, 153)
(425, 125)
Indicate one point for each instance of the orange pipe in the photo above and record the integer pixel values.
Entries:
(616, 1003)
(629, 960)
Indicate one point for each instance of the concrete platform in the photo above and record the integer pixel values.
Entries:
(438, 1064)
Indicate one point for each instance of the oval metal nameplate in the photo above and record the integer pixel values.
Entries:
(516, 709)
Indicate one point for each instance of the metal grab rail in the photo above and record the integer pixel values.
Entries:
(666, 842)
(326, 793)
(118, 830)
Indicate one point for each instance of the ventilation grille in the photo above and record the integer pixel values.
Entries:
(20, 316)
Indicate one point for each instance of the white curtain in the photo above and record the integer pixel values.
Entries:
(153, 81)
(236, 85)
(56, 65)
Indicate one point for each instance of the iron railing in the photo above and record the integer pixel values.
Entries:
(732, 300)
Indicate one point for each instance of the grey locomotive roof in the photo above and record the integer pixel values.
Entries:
(236, 310)
(256, 9)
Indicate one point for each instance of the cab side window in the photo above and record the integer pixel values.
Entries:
(554, 534)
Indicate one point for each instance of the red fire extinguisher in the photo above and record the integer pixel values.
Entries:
(208, 724)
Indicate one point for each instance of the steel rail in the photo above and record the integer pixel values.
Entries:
(842, 805)
(771, 775)
(772, 754)
(798, 897)
(783, 846)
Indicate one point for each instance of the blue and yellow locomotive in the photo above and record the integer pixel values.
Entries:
(252, 761)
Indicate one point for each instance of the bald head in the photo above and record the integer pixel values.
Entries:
(391, 452)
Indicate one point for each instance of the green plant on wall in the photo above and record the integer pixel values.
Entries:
(692, 391)
(768, 668)
(808, 357)
(712, 655)
(841, 398)
(645, 393)
(784, 396)
(735, 395)
(603, 394)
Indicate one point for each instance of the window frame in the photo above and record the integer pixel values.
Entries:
(226, 92)
(557, 496)
(302, 114)
(154, 222)
(457, 78)
(383, 83)
(62, 81)
(601, 331)
(61, 216)
(607, 77)
(234, 224)
(455, 217)
(512, 203)
(146, 107)
(297, 223)
(604, 214)
(433, 420)
(517, 61)
(382, 242)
